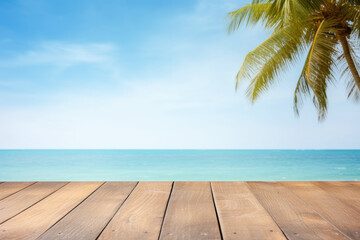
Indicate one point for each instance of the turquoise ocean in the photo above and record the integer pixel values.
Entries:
(185, 165)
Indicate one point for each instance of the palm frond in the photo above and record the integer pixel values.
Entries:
(290, 10)
(295, 25)
(289, 48)
(252, 14)
(302, 90)
(273, 14)
(319, 65)
(350, 10)
(356, 20)
(264, 64)
(353, 90)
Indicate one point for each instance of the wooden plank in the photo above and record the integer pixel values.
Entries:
(190, 213)
(142, 214)
(341, 215)
(91, 216)
(295, 218)
(34, 221)
(25, 198)
(240, 213)
(348, 192)
(8, 188)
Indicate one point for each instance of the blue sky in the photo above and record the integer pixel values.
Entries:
(147, 74)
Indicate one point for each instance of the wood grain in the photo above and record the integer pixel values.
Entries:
(8, 188)
(25, 198)
(240, 213)
(341, 215)
(348, 192)
(34, 221)
(91, 216)
(190, 213)
(141, 215)
(87, 210)
(295, 218)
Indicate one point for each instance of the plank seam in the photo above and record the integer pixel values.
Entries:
(216, 211)
(35, 203)
(72, 209)
(166, 207)
(117, 211)
(19, 190)
(260, 202)
(310, 206)
(349, 204)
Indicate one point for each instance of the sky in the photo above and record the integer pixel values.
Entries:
(138, 74)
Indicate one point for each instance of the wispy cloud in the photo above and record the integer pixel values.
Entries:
(172, 86)
(61, 54)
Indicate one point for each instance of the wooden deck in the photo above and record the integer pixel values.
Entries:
(179, 210)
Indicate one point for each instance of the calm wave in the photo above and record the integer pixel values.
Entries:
(194, 165)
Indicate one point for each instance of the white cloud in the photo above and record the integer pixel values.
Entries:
(62, 54)
(195, 107)
(185, 100)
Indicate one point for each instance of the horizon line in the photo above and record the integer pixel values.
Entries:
(175, 149)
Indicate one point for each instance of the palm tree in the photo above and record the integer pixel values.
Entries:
(327, 30)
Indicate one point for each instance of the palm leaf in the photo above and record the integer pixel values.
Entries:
(277, 60)
(319, 65)
(252, 14)
(353, 90)
(302, 89)
(295, 25)
(350, 10)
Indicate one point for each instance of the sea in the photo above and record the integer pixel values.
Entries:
(179, 165)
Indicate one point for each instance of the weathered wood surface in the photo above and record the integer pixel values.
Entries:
(91, 216)
(296, 219)
(142, 214)
(348, 192)
(34, 221)
(8, 188)
(343, 216)
(240, 213)
(21, 200)
(180, 210)
(190, 213)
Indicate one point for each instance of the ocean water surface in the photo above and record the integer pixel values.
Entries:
(186, 165)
